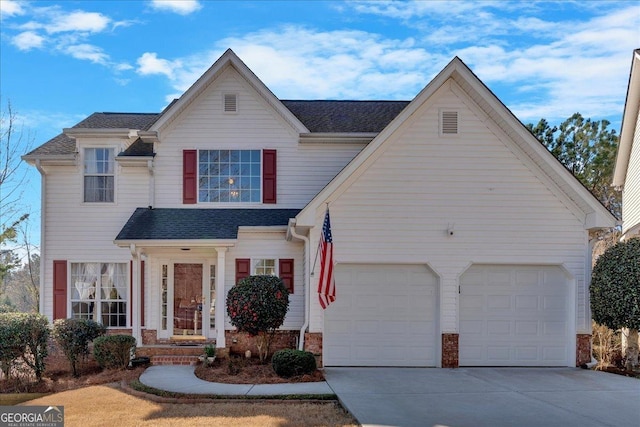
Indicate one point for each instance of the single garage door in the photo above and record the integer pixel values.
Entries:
(514, 316)
(384, 315)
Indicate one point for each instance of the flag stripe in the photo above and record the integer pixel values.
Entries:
(326, 284)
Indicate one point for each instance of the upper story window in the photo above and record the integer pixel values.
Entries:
(99, 175)
(229, 176)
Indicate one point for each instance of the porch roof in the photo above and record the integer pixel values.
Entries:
(198, 224)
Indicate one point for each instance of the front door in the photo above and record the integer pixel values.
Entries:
(188, 300)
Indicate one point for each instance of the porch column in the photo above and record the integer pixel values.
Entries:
(220, 297)
(135, 295)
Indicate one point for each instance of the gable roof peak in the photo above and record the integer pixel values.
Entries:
(228, 58)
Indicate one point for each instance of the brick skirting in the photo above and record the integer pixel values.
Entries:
(583, 349)
(239, 342)
(450, 351)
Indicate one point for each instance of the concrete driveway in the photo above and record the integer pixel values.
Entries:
(478, 397)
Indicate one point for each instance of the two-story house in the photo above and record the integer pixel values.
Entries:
(458, 238)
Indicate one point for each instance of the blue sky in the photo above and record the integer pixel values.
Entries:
(61, 61)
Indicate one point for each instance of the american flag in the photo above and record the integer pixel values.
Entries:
(326, 284)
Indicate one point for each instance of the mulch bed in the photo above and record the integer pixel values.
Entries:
(620, 371)
(57, 377)
(239, 370)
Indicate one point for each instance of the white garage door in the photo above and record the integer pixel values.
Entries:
(514, 316)
(384, 315)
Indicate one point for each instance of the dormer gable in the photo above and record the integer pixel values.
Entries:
(230, 103)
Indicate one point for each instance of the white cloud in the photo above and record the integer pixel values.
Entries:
(28, 40)
(88, 52)
(149, 64)
(10, 8)
(181, 7)
(80, 21)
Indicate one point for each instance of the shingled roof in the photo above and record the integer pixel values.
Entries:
(317, 116)
(198, 224)
(345, 116)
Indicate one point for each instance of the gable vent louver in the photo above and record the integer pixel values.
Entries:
(449, 123)
(230, 103)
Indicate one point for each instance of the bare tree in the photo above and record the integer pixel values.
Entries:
(13, 142)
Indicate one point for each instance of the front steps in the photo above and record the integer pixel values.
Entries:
(170, 354)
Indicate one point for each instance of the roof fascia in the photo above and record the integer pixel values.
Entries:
(629, 120)
(134, 160)
(262, 229)
(51, 159)
(181, 243)
(337, 138)
(229, 58)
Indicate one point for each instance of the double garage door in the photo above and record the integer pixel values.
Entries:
(387, 315)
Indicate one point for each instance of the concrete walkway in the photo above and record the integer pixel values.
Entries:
(182, 379)
(524, 397)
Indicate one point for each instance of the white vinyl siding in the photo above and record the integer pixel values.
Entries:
(85, 231)
(261, 246)
(631, 193)
(399, 208)
(303, 169)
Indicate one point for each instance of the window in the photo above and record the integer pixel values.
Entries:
(264, 267)
(99, 177)
(99, 292)
(229, 176)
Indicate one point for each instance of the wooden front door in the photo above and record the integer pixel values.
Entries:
(187, 299)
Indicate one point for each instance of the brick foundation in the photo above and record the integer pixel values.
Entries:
(149, 337)
(450, 351)
(313, 344)
(239, 342)
(583, 349)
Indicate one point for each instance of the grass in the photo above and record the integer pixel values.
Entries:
(110, 405)
(7, 399)
(96, 399)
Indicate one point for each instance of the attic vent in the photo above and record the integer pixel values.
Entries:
(230, 103)
(449, 123)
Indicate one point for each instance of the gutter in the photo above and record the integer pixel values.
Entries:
(43, 262)
(307, 278)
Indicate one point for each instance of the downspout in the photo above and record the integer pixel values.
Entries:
(307, 278)
(152, 184)
(43, 207)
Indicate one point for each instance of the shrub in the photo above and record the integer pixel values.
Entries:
(258, 305)
(113, 351)
(23, 335)
(288, 362)
(74, 336)
(11, 346)
(615, 291)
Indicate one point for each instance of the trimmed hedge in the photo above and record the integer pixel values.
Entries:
(74, 336)
(23, 336)
(615, 286)
(113, 351)
(258, 304)
(287, 363)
